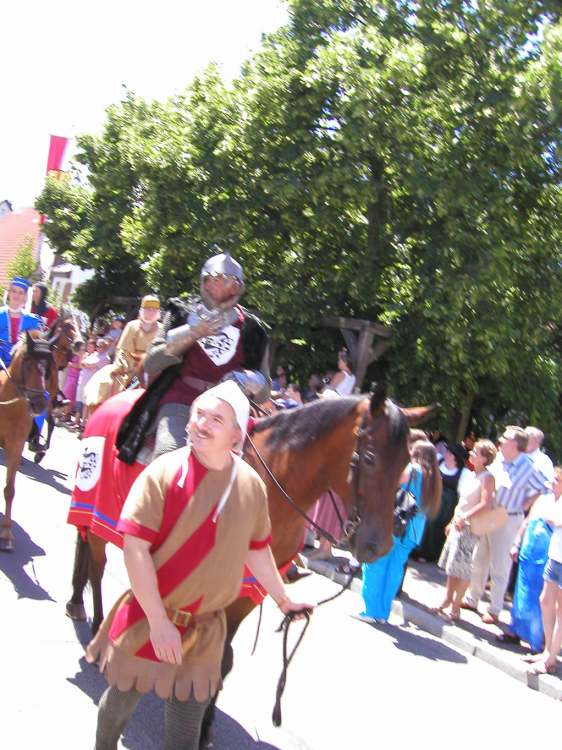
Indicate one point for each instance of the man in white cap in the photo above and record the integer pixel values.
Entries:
(202, 341)
(192, 520)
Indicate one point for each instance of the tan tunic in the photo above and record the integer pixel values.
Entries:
(133, 343)
(199, 560)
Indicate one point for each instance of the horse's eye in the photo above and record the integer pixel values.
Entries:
(369, 457)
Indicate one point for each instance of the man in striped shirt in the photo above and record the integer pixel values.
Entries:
(518, 484)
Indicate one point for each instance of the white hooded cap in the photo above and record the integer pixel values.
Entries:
(230, 392)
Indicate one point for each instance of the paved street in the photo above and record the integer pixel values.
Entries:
(351, 684)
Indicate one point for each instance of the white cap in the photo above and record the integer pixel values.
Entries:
(230, 392)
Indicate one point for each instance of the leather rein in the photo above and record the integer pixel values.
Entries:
(349, 527)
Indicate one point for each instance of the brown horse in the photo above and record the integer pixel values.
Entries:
(61, 336)
(22, 396)
(308, 451)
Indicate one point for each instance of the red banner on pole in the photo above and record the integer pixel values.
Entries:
(57, 147)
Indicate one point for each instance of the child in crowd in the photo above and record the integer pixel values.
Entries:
(71, 381)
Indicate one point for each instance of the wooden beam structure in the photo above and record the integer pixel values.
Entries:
(358, 335)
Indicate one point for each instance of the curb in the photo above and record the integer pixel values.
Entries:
(414, 612)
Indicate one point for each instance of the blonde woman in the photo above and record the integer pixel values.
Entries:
(476, 494)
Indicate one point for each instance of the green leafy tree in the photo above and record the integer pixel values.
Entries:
(388, 160)
(25, 263)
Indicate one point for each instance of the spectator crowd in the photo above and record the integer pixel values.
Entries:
(498, 523)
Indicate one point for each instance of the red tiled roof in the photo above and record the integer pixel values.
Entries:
(15, 228)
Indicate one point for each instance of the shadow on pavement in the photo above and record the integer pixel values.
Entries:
(416, 643)
(83, 630)
(420, 645)
(12, 565)
(229, 734)
(36, 472)
(145, 731)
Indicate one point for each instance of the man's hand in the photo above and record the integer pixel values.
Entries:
(514, 552)
(166, 641)
(299, 608)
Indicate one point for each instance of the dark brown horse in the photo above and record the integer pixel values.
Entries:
(31, 373)
(61, 336)
(308, 451)
(356, 446)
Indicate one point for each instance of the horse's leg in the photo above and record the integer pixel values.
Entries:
(75, 605)
(235, 613)
(97, 566)
(13, 461)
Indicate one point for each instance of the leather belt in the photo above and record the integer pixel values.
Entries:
(197, 384)
(184, 619)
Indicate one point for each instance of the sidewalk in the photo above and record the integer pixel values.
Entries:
(423, 588)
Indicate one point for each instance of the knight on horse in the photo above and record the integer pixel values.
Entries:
(202, 341)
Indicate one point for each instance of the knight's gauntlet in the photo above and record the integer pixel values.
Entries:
(178, 340)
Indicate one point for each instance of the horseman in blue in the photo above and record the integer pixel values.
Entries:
(13, 320)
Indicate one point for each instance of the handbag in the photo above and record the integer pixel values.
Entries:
(488, 520)
(405, 508)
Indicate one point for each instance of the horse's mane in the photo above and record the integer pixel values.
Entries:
(39, 346)
(296, 428)
(399, 427)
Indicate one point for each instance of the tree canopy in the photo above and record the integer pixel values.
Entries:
(391, 160)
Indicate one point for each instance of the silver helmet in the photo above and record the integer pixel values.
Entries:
(222, 264)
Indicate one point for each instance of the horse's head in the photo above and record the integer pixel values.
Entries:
(62, 336)
(31, 370)
(381, 456)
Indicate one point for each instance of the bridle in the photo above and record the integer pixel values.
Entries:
(359, 455)
(54, 343)
(362, 453)
(25, 393)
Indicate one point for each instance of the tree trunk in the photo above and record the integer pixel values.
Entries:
(463, 416)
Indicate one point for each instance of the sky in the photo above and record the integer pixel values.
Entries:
(62, 62)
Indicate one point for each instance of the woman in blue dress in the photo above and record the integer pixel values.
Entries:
(530, 547)
(382, 578)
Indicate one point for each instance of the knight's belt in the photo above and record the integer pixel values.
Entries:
(197, 384)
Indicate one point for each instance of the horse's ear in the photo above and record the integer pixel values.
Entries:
(418, 414)
(29, 340)
(378, 397)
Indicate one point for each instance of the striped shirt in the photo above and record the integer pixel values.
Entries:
(516, 481)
